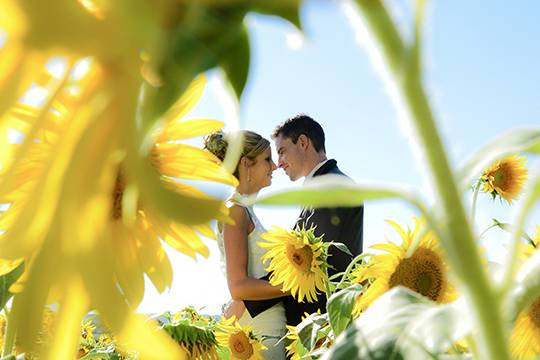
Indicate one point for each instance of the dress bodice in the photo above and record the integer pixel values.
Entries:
(256, 267)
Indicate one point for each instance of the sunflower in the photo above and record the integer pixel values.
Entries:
(194, 333)
(87, 330)
(297, 261)
(506, 178)
(425, 271)
(525, 336)
(240, 340)
(137, 247)
(101, 130)
(295, 350)
(61, 176)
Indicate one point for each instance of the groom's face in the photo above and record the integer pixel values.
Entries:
(289, 157)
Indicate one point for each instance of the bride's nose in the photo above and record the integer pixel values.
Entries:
(274, 167)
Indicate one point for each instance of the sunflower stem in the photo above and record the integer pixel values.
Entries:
(400, 66)
(349, 269)
(486, 230)
(474, 199)
(327, 289)
(9, 338)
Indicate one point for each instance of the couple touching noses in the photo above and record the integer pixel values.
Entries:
(299, 142)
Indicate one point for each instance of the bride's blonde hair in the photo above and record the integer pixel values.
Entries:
(253, 145)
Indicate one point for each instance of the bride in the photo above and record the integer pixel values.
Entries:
(240, 253)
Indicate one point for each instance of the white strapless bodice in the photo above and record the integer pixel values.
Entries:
(256, 267)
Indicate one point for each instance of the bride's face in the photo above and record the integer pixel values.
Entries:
(261, 170)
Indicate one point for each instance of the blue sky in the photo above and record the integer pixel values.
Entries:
(481, 71)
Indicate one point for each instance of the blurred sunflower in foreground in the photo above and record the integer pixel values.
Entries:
(506, 178)
(297, 261)
(525, 336)
(90, 88)
(240, 340)
(193, 332)
(91, 181)
(424, 272)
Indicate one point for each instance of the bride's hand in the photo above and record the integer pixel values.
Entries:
(234, 307)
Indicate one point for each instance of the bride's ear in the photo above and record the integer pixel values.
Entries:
(244, 162)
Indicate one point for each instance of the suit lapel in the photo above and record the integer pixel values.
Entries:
(326, 168)
(306, 212)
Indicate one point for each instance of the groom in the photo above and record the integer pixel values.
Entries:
(301, 153)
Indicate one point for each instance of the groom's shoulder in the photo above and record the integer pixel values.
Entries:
(332, 168)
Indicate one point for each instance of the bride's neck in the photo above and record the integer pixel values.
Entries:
(244, 189)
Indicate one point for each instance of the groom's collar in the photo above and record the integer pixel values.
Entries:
(317, 169)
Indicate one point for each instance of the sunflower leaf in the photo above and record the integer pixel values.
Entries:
(333, 191)
(308, 329)
(400, 323)
(342, 247)
(236, 61)
(508, 143)
(6, 281)
(340, 307)
(286, 9)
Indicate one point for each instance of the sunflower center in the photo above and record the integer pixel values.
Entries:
(422, 272)
(117, 195)
(301, 258)
(240, 346)
(154, 157)
(534, 313)
(499, 178)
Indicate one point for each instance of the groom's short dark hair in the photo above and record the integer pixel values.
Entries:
(300, 124)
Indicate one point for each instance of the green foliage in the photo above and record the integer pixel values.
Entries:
(340, 307)
(6, 281)
(331, 191)
(401, 324)
(312, 329)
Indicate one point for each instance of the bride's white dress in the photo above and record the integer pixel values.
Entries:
(271, 323)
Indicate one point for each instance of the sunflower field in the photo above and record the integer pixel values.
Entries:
(97, 173)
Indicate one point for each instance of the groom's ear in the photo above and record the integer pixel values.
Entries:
(303, 142)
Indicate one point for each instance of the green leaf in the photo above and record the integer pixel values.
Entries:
(342, 247)
(508, 143)
(8, 357)
(333, 191)
(526, 288)
(509, 228)
(235, 62)
(340, 307)
(437, 329)
(6, 281)
(534, 148)
(286, 9)
(401, 324)
(308, 329)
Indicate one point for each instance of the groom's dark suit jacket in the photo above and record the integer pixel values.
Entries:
(342, 224)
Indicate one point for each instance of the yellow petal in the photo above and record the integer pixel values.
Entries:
(187, 101)
(155, 344)
(73, 307)
(190, 128)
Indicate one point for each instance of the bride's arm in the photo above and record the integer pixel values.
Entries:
(241, 286)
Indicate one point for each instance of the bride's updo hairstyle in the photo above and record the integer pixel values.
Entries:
(253, 145)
